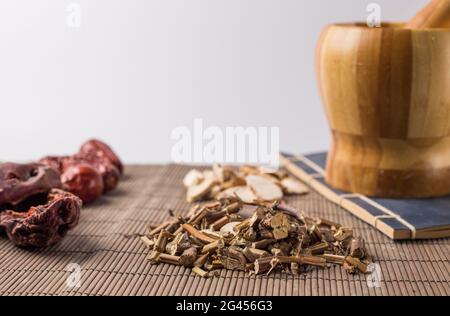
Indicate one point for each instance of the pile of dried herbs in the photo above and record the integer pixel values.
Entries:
(230, 234)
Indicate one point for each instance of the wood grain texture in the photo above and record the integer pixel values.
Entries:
(435, 14)
(387, 99)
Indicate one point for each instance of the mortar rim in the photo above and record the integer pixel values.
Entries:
(387, 25)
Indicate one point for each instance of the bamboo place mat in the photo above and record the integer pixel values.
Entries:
(113, 260)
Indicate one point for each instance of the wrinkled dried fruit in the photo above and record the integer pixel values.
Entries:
(101, 150)
(110, 175)
(84, 181)
(59, 163)
(109, 172)
(42, 225)
(100, 157)
(18, 182)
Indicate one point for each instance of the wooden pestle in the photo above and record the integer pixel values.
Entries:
(435, 15)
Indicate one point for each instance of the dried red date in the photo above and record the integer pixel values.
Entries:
(100, 157)
(18, 182)
(84, 181)
(101, 150)
(109, 173)
(59, 163)
(42, 225)
(107, 170)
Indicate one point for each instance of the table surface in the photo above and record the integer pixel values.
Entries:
(112, 260)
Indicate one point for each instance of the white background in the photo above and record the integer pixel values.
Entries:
(136, 69)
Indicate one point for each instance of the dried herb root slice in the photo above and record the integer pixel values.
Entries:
(293, 186)
(263, 188)
(246, 195)
(192, 178)
(203, 189)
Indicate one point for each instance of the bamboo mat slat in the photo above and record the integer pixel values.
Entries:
(113, 260)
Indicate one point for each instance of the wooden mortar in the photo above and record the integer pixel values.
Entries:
(435, 14)
(386, 93)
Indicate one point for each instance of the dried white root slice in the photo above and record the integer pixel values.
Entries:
(263, 188)
(246, 195)
(228, 193)
(219, 172)
(229, 228)
(215, 190)
(199, 191)
(248, 170)
(233, 180)
(271, 178)
(293, 186)
(267, 170)
(193, 177)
